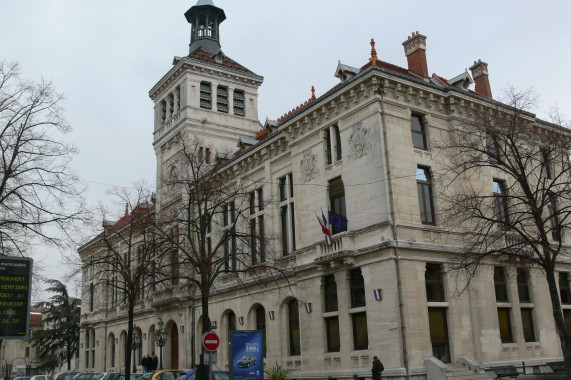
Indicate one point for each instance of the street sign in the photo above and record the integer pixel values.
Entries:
(15, 295)
(210, 341)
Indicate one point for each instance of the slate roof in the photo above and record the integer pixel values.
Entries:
(202, 55)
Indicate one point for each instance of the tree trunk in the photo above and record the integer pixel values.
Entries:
(129, 341)
(559, 320)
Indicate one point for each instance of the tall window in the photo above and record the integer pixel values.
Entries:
(527, 324)
(239, 103)
(332, 144)
(545, 169)
(112, 350)
(330, 293)
(205, 95)
(493, 148)
(337, 202)
(500, 284)
(287, 216)
(163, 111)
(91, 296)
(360, 335)
(434, 283)
(357, 286)
(222, 99)
(418, 129)
(228, 222)
(174, 256)
(261, 325)
(564, 289)
(501, 204)
(505, 324)
(424, 187)
(523, 285)
(333, 338)
(553, 219)
(257, 232)
(293, 324)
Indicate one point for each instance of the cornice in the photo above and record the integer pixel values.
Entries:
(191, 65)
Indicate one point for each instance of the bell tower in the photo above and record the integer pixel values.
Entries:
(205, 19)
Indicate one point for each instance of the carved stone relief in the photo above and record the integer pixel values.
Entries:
(308, 166)
(360, 142)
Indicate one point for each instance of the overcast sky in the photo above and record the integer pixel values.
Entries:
(106, 55)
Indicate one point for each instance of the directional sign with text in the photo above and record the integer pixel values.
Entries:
(210, 341)
(15, 294)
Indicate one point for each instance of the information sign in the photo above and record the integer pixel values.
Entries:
(15, 295)
(246, 352)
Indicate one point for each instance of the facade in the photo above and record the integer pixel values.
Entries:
(18, 355)
(364, 151)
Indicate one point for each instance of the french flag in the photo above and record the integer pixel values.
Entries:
(324, 227)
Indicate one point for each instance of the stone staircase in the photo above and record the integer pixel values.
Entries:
(459, 371)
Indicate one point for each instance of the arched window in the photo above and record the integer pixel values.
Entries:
(261, 325)
(293, 328)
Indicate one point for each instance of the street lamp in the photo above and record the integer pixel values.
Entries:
(135, 345)
(161, 339)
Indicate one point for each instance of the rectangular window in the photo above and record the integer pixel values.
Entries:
(564, 289)
(287, 216)
(333, 338)
(493, 148)
(523, 285)
(257, 242)
(357, 286)
(500, 285)
(360, 335)
(163, 111)
(434, 283)
(338, 152)
(527, 324)
(239, 103)
(424, 187)
(501, 204)
(553, 219)
(328, 153)
(27, 351)
(337, 222)
(567, 317)
(545, 169)
(205, 95)
(418, 130)
(330, 293)
(222, 99)
(294, 336)
(91, 296)
(505, 325)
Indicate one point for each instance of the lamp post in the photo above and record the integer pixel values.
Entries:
(161, 339)
(134, 346)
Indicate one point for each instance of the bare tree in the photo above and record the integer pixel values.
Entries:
(507, 190)
(120, 262)
(39, 195)
(213, 222)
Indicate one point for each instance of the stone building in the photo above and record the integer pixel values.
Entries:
(363, 150)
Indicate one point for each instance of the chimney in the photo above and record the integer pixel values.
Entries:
(480, 74)
(415, 50)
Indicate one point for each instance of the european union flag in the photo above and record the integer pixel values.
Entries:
(338, 222)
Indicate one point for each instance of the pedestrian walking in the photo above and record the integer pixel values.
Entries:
(377, 369)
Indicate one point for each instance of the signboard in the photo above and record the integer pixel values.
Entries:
(15, 295)
(246, 352)
(210, 341)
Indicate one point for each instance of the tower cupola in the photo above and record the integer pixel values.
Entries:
(205, 19)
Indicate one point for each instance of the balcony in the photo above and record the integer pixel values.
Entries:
(340, 252)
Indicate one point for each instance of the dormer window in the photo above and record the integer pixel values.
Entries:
(205, 95)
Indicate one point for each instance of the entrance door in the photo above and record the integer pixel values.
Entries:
(174, 346)
(439, 334)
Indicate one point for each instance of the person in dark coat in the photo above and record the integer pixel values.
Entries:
(154, 362)
(377, 369)
(145, 363)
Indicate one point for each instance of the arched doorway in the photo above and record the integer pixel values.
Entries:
(174, 346)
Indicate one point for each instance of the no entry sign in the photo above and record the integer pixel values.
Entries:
(210, 341)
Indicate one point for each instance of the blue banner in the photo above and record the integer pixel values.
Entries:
(246, 354)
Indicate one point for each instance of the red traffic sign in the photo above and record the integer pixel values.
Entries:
(210, 341)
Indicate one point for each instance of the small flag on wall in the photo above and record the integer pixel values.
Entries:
(241, 320)
(378, 294)
(272, 315)
(308, 307)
